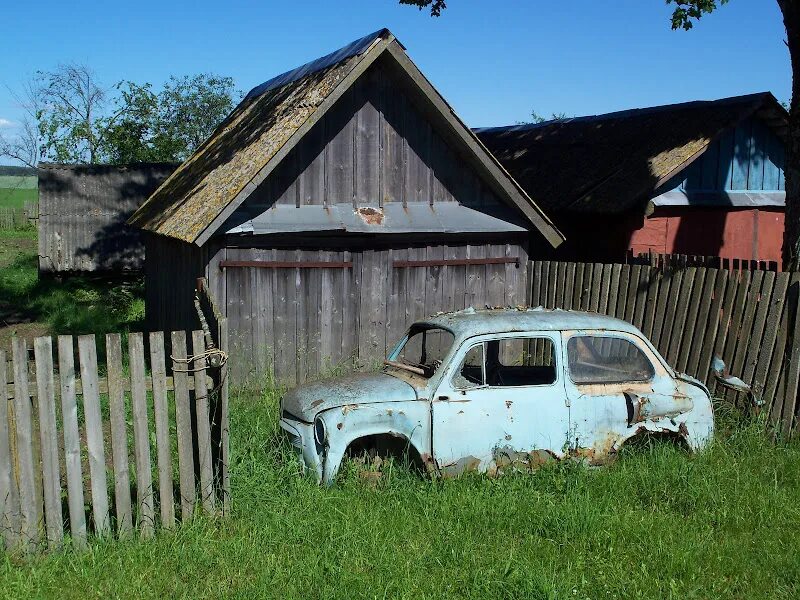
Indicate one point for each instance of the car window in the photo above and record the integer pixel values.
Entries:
(606, 359)
(471, 373)
(425, 349)
(508, 362)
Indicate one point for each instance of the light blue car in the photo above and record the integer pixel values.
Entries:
(495, 390)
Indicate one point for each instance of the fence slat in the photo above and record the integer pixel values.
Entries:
(203, 425)
(770, 335)
(87, 352)
(715, 314)
(225, 421)
(72, 451)
(161, 417)
(183, 424)
(744, 337)
(141, 435)
(119, 435)
(792, 374)
(699, 295)
(9, 495)
(29, 507)
(780, 357)
(51, 475)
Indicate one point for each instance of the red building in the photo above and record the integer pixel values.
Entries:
(700, 178)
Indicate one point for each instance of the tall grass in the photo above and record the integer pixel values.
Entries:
(658, 523)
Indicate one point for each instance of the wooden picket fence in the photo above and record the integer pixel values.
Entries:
(681, 261)
(748, 318)
(100, 438)
(12, 218)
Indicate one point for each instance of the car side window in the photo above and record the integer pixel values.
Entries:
(517, 362)
(606, 359)
(470, 373)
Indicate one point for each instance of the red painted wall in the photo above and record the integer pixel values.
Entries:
(743, 233)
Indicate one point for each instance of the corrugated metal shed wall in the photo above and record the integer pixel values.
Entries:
(82, 215)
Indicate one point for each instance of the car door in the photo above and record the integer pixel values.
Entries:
(614, 382)
(501, 404)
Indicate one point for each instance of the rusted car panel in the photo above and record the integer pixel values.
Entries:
(501, 390)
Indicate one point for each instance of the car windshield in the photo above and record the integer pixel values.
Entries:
(423, 351)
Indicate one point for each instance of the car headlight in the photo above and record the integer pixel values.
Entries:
(320, 434)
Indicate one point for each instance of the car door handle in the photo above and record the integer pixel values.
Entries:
(443, 398)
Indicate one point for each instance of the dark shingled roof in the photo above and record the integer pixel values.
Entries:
(613, 163)
(256, 136)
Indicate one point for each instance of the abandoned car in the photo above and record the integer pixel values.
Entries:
(491, 390)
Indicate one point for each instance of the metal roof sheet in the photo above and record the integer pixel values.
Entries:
(415, 217)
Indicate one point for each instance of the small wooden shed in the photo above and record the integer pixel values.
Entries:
(337, 203)
(82, 215)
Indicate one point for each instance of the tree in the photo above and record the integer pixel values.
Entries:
(685, 14)
(70, 105)
(70, 118)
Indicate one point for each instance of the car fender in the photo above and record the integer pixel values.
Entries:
(344, 425)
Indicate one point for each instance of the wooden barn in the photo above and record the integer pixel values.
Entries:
(700, 178)
(83, 211)
(337, 203)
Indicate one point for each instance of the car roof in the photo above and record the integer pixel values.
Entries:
(470, 322)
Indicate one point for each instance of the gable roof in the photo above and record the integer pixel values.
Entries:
(614, 162)
(194, 202)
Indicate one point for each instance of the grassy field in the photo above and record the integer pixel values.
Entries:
(658, 523)
(30, 306)
(15, 190)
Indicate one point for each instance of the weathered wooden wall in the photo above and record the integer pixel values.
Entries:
(82, 215)
(373, 147)
(748, 318)
(299, 323)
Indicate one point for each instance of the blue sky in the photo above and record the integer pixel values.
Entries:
(494, 65)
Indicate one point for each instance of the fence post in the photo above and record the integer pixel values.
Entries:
(51, 476)
(119, 435)
(94, 432)
(141, 435)
(161, 417)
(203, 426)
(29, 507)
(9, 496)
(72, 451)
(183, 424)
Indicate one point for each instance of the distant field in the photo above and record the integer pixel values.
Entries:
(16, 197)
(18, 182)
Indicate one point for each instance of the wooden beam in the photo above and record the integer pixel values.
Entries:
(454, 262)
(278, 264)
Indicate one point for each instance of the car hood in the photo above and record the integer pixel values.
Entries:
(307, 400)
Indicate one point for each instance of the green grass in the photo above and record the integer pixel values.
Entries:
(16, 197)
(658, 523)
(75, 305)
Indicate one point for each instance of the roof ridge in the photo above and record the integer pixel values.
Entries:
(631, 112)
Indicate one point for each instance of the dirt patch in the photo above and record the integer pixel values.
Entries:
(12, 246)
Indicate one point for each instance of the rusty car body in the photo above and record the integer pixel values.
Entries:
(501, 389)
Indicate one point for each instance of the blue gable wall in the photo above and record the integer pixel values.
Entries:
(747, 158)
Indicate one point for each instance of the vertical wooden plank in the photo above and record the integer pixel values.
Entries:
(514, 276)
(51, 474)
(94, 432)
(622, 295)
(670, 309)
(642, 290)
(367, 139)
(744, 339)
(741, 154)
(552, 284)
(569, 285)
(614, 289)
(225, 422)
(700, 294)
(72, 452)
(536, 284)
(716, 313)
(183, 423)
(119, 435)
(760, 338)
(158, 370)
(141, 435)
(792, 377)
(9, 495)
(495, 276)
(780, 358)
(684, 300)
(597, 283)
(770, 335)
(633, 292)
(651, 301)
(393, 177)
(340, 124)
(203, 424)
(29, 507)
(351, 295)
